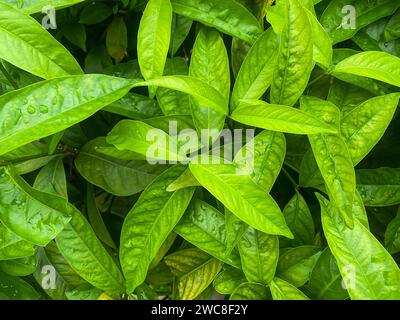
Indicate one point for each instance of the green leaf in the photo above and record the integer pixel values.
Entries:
(96, 220)
(380, 66)
(368, 270)
(186, 179)
(25, 44)
(174, 102)
(12, 246)
(51, 178)
(141, 138)
(379, 187)
(322, 49)
(295, 51)
(255, 74)
(392, 236)
(296, 264)
(14, 288)
(154, 37)
(282, 290)
(210, 63)
(299, 221)
(241, 195)
(259, 253)
(47, 107)
(392, 29)
(280, 118)
(264, 156)
(333, 158)
(19, 267)
(199, 90)
(342, 21)
(117, 39)
(31, 214)
(227, 16)
(378, 88)
(76, 34)
(228, 280)
(250, 291)
(118, 177)
(364, 126)
(64, 277)
(149, 223)
(135, 106)
(179, 31)
(204, 226)
(195, 271)
(86, 255)
(34, 6)
(94, 13)
(325, 280)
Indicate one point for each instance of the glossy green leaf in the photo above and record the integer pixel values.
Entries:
(119, 177)
(180, 28)
(51, 178)
(86, 255)
(241, 195)
(19, 267)
(299, 221)
(392, 29)
(296, 264)
(14, 288)
(295, 52)
(194, 270)
(53, 274)
(343, 18)
(364, 126)
(174, 102)
(322, 49)
(12, 246)
(333, 158)
(154, 37)
(149, 223)
(379, 187)
(392, 235)
(376, 65)
(325, 280)
(228, 280)
(33, 215)
(250, 291)
(209, 63)
(27, 45)
(33, 6)
(255, 74)
(280, 118)
(282, 290)
(96, 220)
(368, 270)
(227, 16)
(264, 156)
(146, 140)
(204, 226)
(45, 105)
(259, 253)
(199, 90)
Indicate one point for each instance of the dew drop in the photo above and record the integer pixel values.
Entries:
(43, 109)
(31, 110)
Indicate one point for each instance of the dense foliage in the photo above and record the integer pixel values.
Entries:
(90, 208)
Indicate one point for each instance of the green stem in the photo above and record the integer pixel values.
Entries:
(8, 76)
